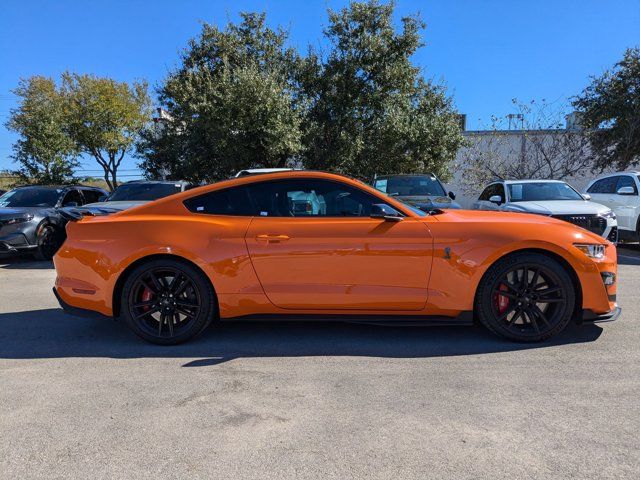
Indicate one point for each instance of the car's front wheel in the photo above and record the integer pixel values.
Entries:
(526, 297)
(167, 301)
(49, 239)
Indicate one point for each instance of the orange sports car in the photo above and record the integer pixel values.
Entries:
(311, 245)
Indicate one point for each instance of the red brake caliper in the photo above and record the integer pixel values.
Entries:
(501, 302)
(146, 296)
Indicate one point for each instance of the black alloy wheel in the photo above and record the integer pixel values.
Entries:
(167, 302)
(526, 297)
(49, 241)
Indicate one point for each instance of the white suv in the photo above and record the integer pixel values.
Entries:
(619, 192)
(553, 198)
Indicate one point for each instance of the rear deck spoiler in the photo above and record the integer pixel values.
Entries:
(74, 214)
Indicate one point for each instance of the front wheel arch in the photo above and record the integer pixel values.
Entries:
(577, 309)
(117, 290)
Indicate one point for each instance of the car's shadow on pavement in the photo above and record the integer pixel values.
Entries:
(51, 333)
(25, 263)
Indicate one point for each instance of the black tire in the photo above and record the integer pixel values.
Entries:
(530, 311)
(49, 240)
(167, 301)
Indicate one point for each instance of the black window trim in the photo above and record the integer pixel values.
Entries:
(280, 180)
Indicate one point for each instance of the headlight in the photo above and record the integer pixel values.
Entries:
(591, 250)
(13, 221)
(609, 214)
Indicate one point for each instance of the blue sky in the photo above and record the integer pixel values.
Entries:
(486, 52)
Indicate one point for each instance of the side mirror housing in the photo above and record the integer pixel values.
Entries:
(586, 196)
(71, 204)
(497, 199)
(452, 195)
(626, 191)
(102, 198)
(385, 212)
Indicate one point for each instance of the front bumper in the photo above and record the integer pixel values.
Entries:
(588, 316)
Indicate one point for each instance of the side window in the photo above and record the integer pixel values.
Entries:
(91, 196)
(626, 181)
(231, 201)
(310, 198)
(491, 190)
(605, 185)
(71, 197)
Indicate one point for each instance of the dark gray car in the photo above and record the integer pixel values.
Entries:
(423, 191)
(30, 221)
(139, 192)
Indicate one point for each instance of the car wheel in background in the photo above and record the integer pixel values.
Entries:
(49, 239)
(167, 302)
(526, 297)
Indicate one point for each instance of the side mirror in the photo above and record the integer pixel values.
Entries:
(102, 198)
(71, 204)
(385, 212)
(497, 199)
(586, 196)
(626, 191)
(452, 195)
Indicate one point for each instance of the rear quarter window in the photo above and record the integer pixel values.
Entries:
(231, 201)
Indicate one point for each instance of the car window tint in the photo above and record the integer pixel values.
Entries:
(91, 196)
(491, 190)
(309, 198)
(72, 196)
(604, 185)
(626, 181)
(231, 201)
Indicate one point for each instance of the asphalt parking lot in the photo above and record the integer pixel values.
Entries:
(87, 399)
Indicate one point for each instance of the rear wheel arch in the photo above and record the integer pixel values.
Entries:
(554, 256)
(122, 279)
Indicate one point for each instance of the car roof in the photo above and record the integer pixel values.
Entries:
(59, 187)
(511, 182)
(166, 182)
(428, 174)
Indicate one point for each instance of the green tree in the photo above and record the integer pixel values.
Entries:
(610, 108)
(104, 118)
(371, 109)
(232, 104)
(45, 152)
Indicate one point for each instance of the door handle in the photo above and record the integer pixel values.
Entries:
(269, 238)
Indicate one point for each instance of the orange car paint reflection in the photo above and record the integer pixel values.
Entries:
(266, 265)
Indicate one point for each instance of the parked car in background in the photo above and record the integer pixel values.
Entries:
(423, 191)
(30, 221)
(260, 171)
(139, 192)
(619, 192)
(552, 198)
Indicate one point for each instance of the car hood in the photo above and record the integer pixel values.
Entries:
(428, 201)
(120, 205)
(557, 207)
(12, 212)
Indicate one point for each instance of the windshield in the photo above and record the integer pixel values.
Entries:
(540, 191)
(409, 186)
(143, 191)
(31, 197)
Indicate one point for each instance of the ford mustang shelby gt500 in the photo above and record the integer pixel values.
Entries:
(312, 245)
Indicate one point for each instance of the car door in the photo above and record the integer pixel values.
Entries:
(483, 203)
(603, 191)
(626, 205)
(314, 247)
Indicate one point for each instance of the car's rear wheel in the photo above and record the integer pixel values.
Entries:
(49, 240)
(526, 297)
(167, 301)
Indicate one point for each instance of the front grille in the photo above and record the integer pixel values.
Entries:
(593, 223)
